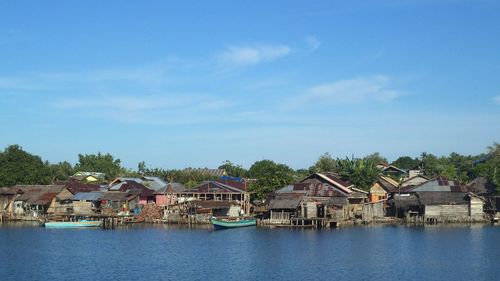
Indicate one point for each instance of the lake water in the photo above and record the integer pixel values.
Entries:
(176, 253)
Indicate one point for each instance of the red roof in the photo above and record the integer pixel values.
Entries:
(236, 184)
(75, 186)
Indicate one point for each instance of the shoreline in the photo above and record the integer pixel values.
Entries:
(267, 226)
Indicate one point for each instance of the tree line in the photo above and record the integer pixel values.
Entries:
(21, 167)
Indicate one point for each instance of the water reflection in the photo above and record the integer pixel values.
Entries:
(180, 252)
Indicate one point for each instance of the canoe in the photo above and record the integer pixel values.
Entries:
(224, 223)
(72, 224)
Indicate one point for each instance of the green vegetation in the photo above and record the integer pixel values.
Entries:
(269, 177)
(104, 163)
(20, 167)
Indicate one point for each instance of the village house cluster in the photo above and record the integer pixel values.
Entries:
(320, 200)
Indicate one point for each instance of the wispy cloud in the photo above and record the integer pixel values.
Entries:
(497, 99)
(15, 84)
(313, 43)
(140, 102)
(151, 109)
(251, 55)
(350, 91)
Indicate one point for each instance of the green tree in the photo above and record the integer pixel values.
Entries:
(325, 163)
(438, 167)
(375, 158)
(359, 172)
(301, 174)
(104, 163)
(20, 167)
(233, 170)
(270, 176)
(141, 167)
(406, 162)
(60, 171)
(488, 165)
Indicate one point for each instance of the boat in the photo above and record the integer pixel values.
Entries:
(225, 223)
(72, 224)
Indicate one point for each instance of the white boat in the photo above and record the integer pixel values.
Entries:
(72, 224)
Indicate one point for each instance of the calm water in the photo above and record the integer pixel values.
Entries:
(173, 253)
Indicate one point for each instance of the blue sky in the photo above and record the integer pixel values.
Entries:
(193, 83)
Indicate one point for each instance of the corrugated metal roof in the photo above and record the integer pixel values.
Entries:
(172, 188)
(8, 191)
(481, 186)
(209, 172)
(87, 196)
(286, 201)
(117, 186)
(117, 196)
(318, 184)
(215, 187)
(438, 185)
(76, 187)
(38, 194)
(154, 183)
(443, 198)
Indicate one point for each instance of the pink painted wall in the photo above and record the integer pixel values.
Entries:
(164, 200)
(161, 200)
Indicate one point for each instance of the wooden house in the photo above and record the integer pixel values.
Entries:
(7, 196)
(61, 204)
(146, 195)
(319, 198)
(33, 200)
(440, 206)
(285, 206)
(202, 210)
(119, 203)
(87, 203)
(168, 194)
(218, 191)
(485, 188)
(381, 189)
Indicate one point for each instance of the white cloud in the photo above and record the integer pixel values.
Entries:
(140, 103)
(146, 109)
(497, 99)
(356, 90)
(313, 43)
(252, 55)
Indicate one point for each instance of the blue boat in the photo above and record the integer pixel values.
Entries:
(225, 223)
(72, 224)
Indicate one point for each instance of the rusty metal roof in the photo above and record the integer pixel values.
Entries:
(38, 194)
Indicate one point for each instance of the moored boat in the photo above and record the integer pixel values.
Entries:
(224, 223)
(72, 224)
